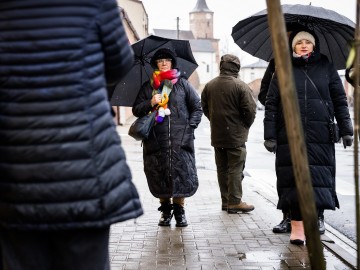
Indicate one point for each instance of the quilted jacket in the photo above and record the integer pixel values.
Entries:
(314, 114)
(61, 163)
(168, 153)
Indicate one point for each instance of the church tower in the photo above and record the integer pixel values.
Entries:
(201, 21)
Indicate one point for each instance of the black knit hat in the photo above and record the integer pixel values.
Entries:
(163, 53)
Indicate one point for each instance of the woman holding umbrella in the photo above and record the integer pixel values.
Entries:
(168, 153)
(321, 97)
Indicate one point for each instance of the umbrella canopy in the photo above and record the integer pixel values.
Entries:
(127, 89)
(333, 30)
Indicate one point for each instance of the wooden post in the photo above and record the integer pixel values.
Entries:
(356, 67)
(295, 134)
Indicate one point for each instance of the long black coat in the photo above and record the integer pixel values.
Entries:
(315, 120)
(61, 164)
(169, 155)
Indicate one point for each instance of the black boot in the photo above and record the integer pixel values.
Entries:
(179, 213)
(166, 214)
(284, 226)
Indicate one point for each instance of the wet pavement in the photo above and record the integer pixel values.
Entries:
(214, 239)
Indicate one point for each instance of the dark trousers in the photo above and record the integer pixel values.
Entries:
(55, 250)
(230, 164)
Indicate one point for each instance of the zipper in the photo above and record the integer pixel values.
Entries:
(170, 154)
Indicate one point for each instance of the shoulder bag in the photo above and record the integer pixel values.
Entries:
(141, 128)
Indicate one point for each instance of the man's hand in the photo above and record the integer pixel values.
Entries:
(270, 145)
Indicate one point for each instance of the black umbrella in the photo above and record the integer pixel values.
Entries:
(333, 30)
(127, 89)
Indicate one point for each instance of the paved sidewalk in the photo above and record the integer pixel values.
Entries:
(213, 239)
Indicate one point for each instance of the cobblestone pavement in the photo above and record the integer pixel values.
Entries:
(214, 239)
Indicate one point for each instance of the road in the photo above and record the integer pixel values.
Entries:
(260, 168)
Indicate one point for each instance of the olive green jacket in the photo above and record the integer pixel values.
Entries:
(228, 103)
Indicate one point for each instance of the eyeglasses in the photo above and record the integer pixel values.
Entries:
(167, 60)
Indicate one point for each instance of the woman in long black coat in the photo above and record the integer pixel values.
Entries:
(307, 61)
(169, 155)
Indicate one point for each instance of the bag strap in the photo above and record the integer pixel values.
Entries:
(316, 89)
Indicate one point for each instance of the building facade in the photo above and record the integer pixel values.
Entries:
(136, 24)
(204, 46)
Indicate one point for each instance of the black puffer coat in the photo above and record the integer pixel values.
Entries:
(169, 155)
(315, 121)
(61, 164)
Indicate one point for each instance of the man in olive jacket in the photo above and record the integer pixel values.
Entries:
(228, 104)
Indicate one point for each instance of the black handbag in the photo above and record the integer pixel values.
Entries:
(142, 127)
(333, 127)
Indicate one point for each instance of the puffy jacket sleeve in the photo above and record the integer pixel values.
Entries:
(142, 104)
(247, 105)
(338, 96)
(118, 54)
(204, 102)
(193, 103)
(271, 110)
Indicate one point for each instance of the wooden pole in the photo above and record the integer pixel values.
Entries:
(295, 134)
(356, 67)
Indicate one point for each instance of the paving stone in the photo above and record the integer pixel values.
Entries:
(214, 239)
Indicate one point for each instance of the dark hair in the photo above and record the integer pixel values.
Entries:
(163, 53)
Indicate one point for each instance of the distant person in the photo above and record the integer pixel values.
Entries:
(169, 153)
(64, 177)
(228, 103)
(265, 81)
(319, 100)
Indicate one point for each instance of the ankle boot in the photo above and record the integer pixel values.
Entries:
(179, 213)
(297, 236)
(166, 214)
(284, 226)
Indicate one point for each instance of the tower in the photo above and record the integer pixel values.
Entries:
(201, 21)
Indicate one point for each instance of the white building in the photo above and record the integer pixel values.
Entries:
(252, 72)
(136, 23)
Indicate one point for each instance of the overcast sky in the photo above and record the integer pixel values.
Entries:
(163, 13)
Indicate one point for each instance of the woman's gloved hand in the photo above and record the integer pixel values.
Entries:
(347, 140)
(270, 145)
